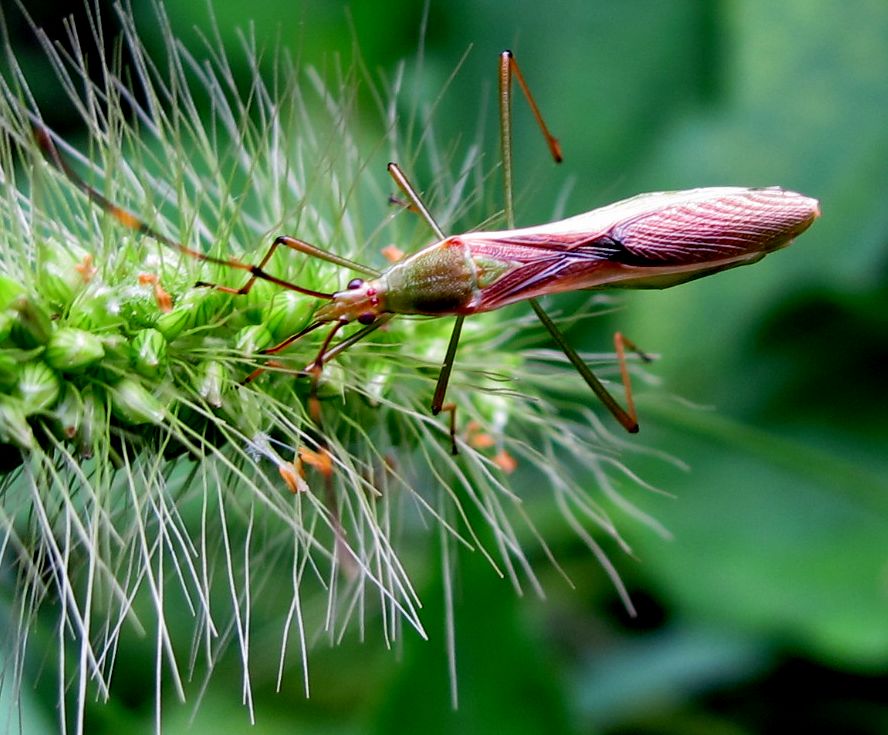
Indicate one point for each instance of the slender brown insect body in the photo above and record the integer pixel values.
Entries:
(649, 241)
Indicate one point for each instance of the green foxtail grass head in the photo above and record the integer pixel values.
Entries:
(142, 477)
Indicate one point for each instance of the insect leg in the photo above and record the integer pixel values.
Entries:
(294, 244)
(316, 368)
(322, 457)
(508, 68)
(627, 418)
(315, 252)
(631, 346)
(353, 339)
(438, 404)
(280, 347)
(329, 354)
(621, 344)
(446, 367)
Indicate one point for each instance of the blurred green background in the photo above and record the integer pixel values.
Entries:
(768, 610)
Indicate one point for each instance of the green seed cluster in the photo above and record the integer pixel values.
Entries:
(80, 357)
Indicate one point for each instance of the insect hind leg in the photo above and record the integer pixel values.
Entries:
(621, 344)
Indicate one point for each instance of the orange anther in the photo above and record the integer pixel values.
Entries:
(293, 477)
(319, 460)
(392, 253)
(505, 461)
(481, 440)
(163, 299)
(85, 268)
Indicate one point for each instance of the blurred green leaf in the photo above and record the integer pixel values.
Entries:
(776, 537)
(506, 678)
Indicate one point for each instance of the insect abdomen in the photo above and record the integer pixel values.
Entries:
(728, 224)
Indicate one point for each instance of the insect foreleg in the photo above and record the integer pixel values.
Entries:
(353, 339)
(316, 367)
(330, 354)
(258, 271)
(280, 347)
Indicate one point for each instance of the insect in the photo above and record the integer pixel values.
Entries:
(649, 241)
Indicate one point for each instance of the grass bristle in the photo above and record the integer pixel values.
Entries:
(146, 479)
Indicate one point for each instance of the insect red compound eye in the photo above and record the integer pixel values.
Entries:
(355, 283)
(367, 318)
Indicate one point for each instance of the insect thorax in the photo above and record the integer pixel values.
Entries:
(439, 279)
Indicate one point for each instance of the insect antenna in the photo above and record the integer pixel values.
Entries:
(132, 222)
